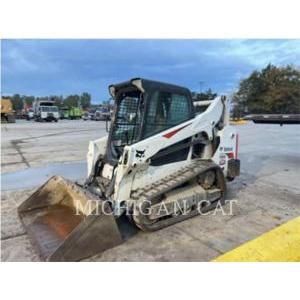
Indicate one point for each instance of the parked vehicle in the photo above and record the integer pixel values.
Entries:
(102, 114)
(64, 113)
(86, 116)
(30, 115)
(70, 113)
(92, 115)
(75, 113)
(7, 112)
(45, 110)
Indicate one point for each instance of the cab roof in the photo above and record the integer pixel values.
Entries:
(147, 85)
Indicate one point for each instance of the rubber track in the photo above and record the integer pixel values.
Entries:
(147, 194)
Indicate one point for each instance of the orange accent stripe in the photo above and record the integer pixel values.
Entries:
(171, 133)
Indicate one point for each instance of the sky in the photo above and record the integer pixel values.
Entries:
(65, 66)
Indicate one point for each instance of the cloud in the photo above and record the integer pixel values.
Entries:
(261, 52)
(43, 67)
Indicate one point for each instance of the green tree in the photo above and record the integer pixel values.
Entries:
(17, 102)
(27, 100)
(72, 100)
(85, 100)
(58, 100)
(271, 90)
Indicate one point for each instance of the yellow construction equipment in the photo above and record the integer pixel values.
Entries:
(7, 112)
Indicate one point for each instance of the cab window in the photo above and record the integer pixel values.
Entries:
(166, 110)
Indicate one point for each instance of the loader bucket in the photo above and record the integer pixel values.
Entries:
(67, 223)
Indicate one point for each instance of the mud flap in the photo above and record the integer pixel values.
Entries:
(68, 223)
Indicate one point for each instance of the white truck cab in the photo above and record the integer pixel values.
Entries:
(45, 111)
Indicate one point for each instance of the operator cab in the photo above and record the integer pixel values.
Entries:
(144, 108)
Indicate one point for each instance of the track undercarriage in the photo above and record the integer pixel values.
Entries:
(190, 191)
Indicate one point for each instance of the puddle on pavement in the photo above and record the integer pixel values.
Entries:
(34, 177)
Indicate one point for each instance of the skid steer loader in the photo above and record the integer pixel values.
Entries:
(161, 163)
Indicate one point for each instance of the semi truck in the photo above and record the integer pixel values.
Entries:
(45, 110)
(75, 113)
(71, 113)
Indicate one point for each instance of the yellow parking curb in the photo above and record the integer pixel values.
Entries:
(281, 244)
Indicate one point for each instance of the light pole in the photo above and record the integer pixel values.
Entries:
(201, 83)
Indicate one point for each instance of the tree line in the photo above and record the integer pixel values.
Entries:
(273, 90)
(206, 95)
(19, 101)
(270, 90)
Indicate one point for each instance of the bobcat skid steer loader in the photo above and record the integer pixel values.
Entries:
(164, 161)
